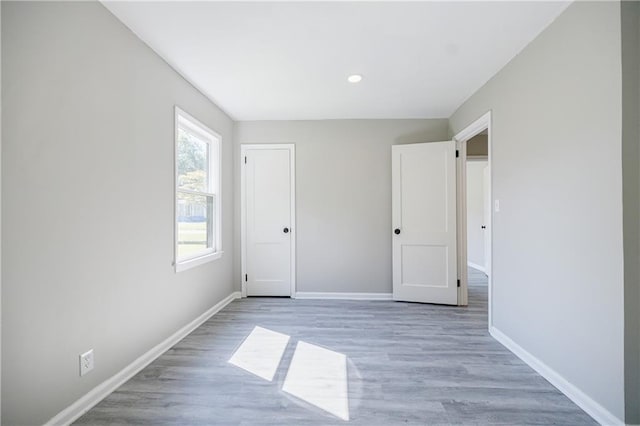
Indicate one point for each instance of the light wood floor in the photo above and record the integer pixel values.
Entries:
(408, 363)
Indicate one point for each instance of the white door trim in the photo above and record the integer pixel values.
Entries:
(243, 211)
(462, 137)
(474, 128)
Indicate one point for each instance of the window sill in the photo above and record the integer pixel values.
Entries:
(192, 263)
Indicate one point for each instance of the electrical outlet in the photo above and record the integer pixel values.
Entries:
(86, 362)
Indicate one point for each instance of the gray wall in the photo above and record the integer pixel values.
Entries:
(87, 198)
(631, 195)
(478, 146)
(343, 196)
(558, 270)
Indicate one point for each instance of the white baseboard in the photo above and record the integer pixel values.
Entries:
(582, 400)
(343, 296)
(476, 266)
(97, 394)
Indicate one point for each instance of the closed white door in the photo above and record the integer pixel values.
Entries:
(268, 232)
(424, 223)
(487, 220)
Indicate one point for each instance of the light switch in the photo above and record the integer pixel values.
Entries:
(497, 205)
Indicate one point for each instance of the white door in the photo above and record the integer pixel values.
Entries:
(268, 208)
(487, 220)
(424, 223)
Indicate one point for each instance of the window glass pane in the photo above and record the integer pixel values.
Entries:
(195, 224)
(193, 161)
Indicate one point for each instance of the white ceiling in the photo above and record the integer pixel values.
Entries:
(290, 61)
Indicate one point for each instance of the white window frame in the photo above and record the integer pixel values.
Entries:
(214, 140)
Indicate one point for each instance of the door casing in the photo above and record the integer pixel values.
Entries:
(461, 139)
(243, 211)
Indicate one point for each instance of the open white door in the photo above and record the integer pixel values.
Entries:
(424, 222)
(486, 180)
(267, 220)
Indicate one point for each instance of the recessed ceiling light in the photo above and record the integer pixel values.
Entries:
(354, 78)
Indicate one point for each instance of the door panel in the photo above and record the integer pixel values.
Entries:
(268, 213)
(424, 214)
(424, 200)
(422, 265)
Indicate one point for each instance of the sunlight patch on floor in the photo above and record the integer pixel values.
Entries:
(261, 352)
(319, 376)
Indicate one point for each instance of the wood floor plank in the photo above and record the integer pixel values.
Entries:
(407, 363)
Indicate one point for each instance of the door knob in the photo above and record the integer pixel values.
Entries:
(285, 230)
(484, 227)
(397, 231)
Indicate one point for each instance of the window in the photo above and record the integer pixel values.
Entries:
(198, 206)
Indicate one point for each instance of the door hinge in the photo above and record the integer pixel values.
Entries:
(457, 153)
(245, 159)
(458, 283)
(246, 278)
